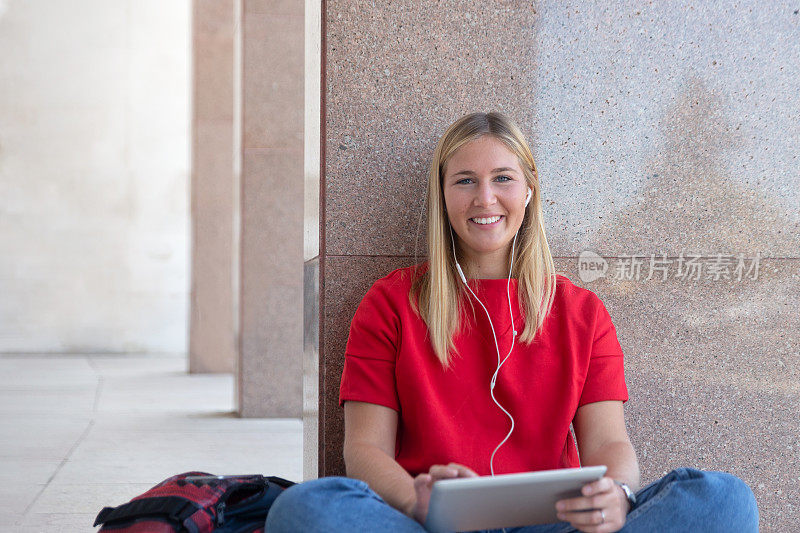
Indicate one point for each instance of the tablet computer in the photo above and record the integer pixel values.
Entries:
(508, 500)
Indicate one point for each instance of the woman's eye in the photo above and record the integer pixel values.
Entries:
(503, 178)
(464, 181)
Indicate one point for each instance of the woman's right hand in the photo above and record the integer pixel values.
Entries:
(423, 484)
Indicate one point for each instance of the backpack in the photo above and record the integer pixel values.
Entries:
(197, 502)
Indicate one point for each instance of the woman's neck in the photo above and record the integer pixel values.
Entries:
(493, 266)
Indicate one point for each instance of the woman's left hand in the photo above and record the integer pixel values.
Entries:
(602, 508)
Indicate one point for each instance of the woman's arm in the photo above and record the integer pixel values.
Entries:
(370, 431)
(602, 440)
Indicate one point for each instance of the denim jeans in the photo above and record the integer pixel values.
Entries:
(683, 500)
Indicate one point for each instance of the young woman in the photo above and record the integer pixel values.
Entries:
(483, 361)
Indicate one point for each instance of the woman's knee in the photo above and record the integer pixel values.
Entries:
(310, 499)
(727, 497)
(693, 500)
(736, 497)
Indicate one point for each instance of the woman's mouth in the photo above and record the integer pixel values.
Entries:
(485, 221)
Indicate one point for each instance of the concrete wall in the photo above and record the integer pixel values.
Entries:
(94, 156)
(660, 129)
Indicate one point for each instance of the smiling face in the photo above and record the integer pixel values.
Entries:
(484, 192)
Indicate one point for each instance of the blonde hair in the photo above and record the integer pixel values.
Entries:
(437, 292)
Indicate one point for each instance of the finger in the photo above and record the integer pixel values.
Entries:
(604, 484)
(594, 521)
(584, 504)
(422, 487)
(443, 472)
(585, 518)
(463, 471)
(595, 517)
(422, 481)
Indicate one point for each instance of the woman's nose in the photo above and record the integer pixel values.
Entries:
(485, 195)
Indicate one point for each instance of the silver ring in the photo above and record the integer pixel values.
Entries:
(602, 516)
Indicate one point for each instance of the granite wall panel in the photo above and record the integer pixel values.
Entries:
(676, 148)
(311, 374)
(347, 279)
(413, 69)
(713, 370)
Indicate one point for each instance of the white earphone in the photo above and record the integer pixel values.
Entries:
(500, 362)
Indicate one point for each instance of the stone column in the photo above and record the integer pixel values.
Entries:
(270, 374)
(313, 58)
(212, 336)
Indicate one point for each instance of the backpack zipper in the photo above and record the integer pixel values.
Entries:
(220, 514)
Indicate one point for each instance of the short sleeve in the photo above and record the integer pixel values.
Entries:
(371, 352)
(605, 378)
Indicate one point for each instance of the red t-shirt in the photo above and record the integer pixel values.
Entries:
(448, 415)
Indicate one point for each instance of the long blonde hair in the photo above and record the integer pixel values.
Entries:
(437, 292)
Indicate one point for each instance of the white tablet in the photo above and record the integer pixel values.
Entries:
(508, 500)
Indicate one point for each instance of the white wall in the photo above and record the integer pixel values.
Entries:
(94, 166)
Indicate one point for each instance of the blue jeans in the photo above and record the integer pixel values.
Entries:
(683, 500)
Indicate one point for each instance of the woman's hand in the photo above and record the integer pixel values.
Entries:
(603, 508)
(423, 484)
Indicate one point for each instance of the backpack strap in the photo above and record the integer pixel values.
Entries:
(171, 507)
(283, 483)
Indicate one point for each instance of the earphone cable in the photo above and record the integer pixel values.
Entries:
(501, 363)
(494, 336)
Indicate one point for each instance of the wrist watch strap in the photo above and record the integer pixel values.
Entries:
(628, 492)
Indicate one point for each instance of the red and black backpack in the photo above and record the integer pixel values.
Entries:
(197, 502)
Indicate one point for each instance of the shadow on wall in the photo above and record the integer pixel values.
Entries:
(687, 204)
(715, 379)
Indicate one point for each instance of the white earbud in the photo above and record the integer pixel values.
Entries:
(528, 197)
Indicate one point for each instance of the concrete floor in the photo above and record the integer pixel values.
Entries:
(78, 433)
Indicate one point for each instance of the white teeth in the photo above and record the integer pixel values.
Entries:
(490, 220)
